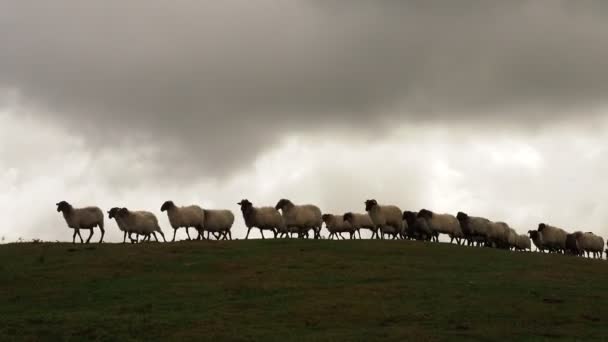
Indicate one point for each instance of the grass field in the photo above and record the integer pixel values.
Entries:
(284, 290)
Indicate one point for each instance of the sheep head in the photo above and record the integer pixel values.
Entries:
(112, 212)
(245, 205)
(462, 216)
(426, 214)
(370, 204)
(167, 205)
(541, 227)
(326, 217)
(533, 234)
(64, 206)
(283, 204)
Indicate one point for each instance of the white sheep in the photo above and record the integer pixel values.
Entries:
(82, 218)
(443, 224)
(384, 215)
(359, 221)
(336, 225)
(301, 217)
(475, 228)
(552, 238)
(218, 221)
(589, 243)
(184, 217)
(497, 235)
(140, 222)
(264, 218)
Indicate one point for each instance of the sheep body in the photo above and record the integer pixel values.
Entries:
(82, 218)
(590, 243)
(385, 215)
(552, 238)
(301, 217)
(359, 221)
(219, 221)
(186, 217)
(140, 222)
(523, 243)
(417, 227)
(263, 218)
(474, 228)
(443, 224)
(336, 224)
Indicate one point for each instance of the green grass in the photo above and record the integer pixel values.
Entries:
(297, 290)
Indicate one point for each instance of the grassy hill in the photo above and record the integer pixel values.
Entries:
(297, 290)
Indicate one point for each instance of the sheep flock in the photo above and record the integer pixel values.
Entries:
(288, 220)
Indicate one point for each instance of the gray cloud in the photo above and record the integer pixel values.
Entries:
(209, 85)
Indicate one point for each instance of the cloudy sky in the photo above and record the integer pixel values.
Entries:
(497, 108)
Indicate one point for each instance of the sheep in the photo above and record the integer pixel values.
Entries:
(512, 239)
(552, 238)
(443, 224)
(264, 218)
(497, 235)
(140, 222)
(336, 225)
(384, 215)
(535, 236)
(417, 227)
(82, 218)
(572, 246)
(475, 229)
(218, 221)
(522, 243)
(359, 221)
(184, 217)
(301, 217)
(121, 224)
(589, 243)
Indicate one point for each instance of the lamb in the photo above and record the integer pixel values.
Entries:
(475, 229)
(443, 224)
(264, 218)
(140, 222)
(417, 227)
(218, 221)
(82, 218)
(359, 221)
(384, 215)
(336, 225)
(552, 238)
(184, 217)
(522, 243)
(301, 217)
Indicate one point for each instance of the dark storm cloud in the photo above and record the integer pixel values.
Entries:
(213, 83)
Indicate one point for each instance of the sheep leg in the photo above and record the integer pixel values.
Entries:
(155, 237)
(262, 232)
(90, 235)
(80, 236)
(74, 236)
(230, 234)
(247, 236)
(174, 232)
(188, 233)
(124, 238)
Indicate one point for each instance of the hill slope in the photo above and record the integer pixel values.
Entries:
(297, 290)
